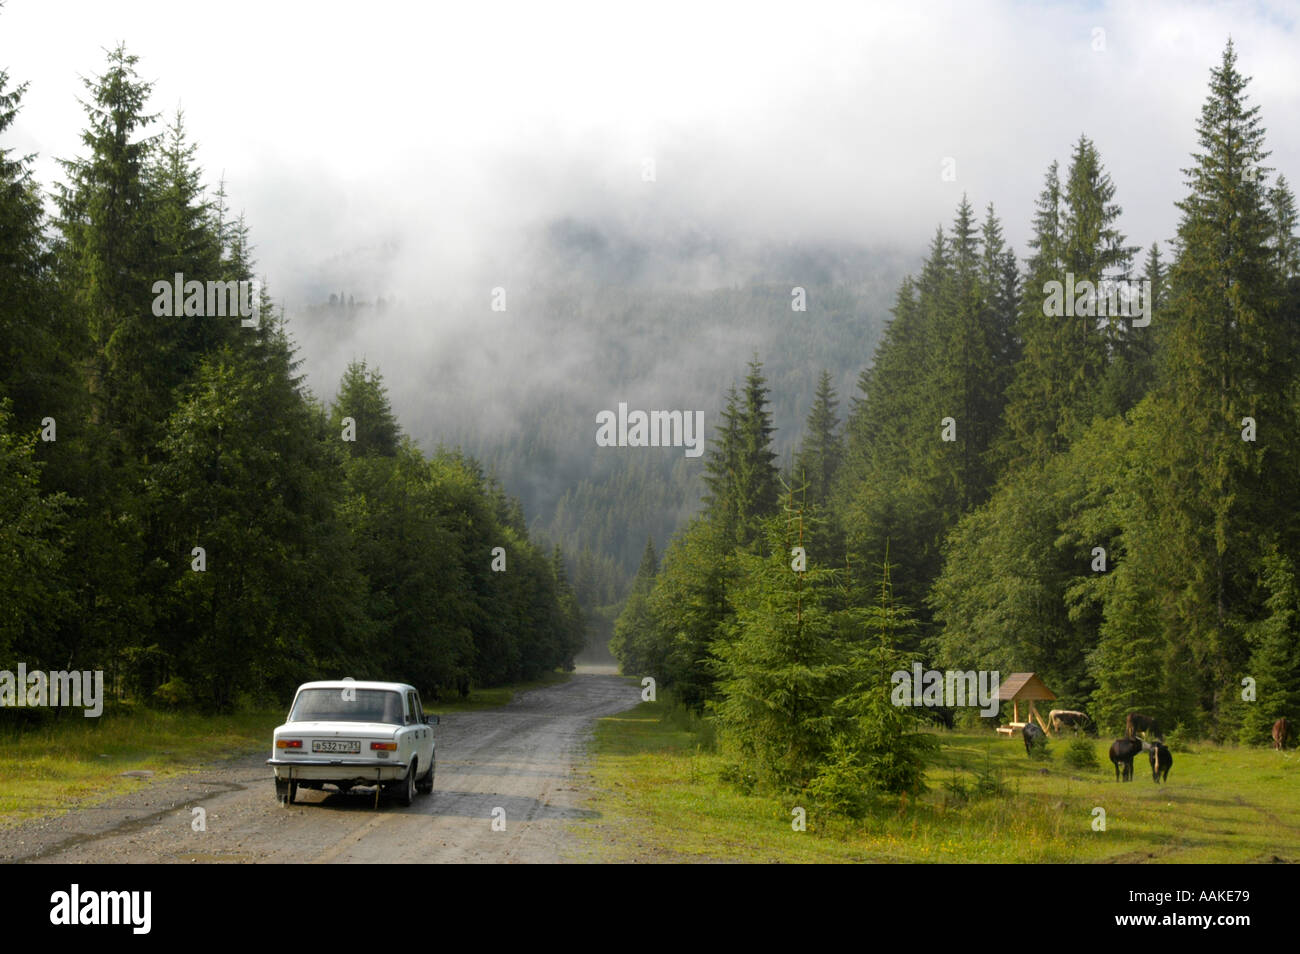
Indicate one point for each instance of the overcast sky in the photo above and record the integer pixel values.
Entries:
(443, 129)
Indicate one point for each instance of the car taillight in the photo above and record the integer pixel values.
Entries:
(288, 743)
(385, 746)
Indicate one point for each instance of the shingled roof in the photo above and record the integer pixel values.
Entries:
(1023, 685)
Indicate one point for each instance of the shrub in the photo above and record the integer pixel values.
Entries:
(988, 781)
(174, 693)
(842, 785)
(1081, 753)
(957, 792)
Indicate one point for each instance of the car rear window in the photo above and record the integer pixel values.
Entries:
(360, 705)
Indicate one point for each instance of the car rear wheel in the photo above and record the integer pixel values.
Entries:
(287, 791)
(406, 792)
(424, 784)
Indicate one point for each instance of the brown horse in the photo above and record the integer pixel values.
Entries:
(1281, 732)
(1136, 723)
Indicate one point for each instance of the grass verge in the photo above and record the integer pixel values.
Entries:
(661, 795)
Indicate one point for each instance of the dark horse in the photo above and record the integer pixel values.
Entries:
(1124, 750)
(1161, 759)
(1139, 723)
(1033, 736)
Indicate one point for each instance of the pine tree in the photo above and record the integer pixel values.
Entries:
(186, 229)
(781, 668)
(967, 372)
(876, 749)
(740, 472)
(36, 347)
(692, 609)
(1227, 355)
(757, 482)
(885, 492)
(570, 626)
(107, 252)
(818, 461)
(1055, 392)
(634, 631)
(721, 469)
(1000, 281)
(1031, 420)
(30, 553)
(363, 397)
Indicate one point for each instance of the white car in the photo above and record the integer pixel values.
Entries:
(348, 732)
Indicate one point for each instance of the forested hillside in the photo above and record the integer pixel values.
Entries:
(176, 508)
(1105, 500)
(595, 316)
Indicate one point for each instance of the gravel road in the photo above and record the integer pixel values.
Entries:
(524, 758)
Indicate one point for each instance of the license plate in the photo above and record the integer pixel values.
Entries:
(344, 746)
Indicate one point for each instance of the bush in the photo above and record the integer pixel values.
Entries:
(736, 774)
(969, 717)
(174, 693)
(1179, 738)
(843, 784)
(1082, 753)
(956, 791)
(988, 781)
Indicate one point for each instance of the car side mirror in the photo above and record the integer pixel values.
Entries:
(431, 720)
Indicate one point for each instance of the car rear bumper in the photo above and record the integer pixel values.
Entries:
(338, 770)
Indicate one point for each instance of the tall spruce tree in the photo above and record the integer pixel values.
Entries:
(818, 461)
(721, 468)
(1033, 393)
(1054, 394)
(1227, 355)
(363, 398)
(108, 252)
(37, 348)
(634, 631)
(757, 482)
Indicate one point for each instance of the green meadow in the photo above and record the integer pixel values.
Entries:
(663, 794)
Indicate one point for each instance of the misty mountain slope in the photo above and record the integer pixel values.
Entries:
(593, 318)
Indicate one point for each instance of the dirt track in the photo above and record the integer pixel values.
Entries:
(521, 758)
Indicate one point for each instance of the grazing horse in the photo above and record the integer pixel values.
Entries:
(1281, 732)
(1161, 760)
(1071, 719)
(1136, 723)
(1124, 750)
(1033, 736)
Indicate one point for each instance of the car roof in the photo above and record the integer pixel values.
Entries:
(357, 684)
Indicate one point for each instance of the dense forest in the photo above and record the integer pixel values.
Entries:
(1105, 501)
(598, 314)
(176, 508)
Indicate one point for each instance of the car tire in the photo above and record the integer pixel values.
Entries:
(424, 784)
(287, 792)
(406, 791)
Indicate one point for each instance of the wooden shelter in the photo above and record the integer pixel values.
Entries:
(1023, 687)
